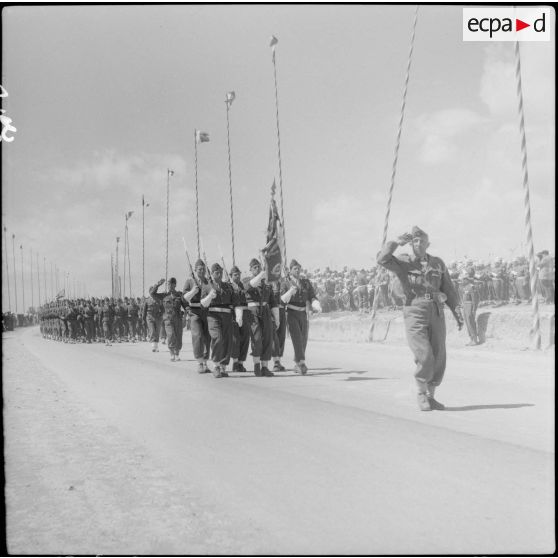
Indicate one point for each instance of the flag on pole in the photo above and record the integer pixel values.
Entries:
(61, 294)
(129, 214)
(273, 41)
(171, 172)
(143, 202)
(201, 137)
(275, 238)
(231, 96)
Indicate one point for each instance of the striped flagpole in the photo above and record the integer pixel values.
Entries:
(394, 168)
(533, 273)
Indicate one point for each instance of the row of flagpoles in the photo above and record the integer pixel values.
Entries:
(49, 283)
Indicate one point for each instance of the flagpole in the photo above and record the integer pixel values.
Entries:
(45, 278)
(22, 278)
(142, 245)
(167, 245)
(112, 274)
(196, 184)
(125, 248)
(7, 270)
(117, 285)
(228, 103)
(15, 277)
(31, 274)
(273, 43)
(129, 265)
(52, 280)
(39, 278)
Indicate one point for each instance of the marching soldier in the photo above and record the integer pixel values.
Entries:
(427, 285)
(261, 305)
(240, 333)
(152, 315)
(107, 319)
(279, 331)
(218, 298)
(471, 300)
(89, 321)
(201, 340)
(298, 295)
(173, 302)
(133, 313)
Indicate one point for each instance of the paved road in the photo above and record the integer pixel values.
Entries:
(337, 462)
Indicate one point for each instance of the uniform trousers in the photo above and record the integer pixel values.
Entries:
(241, 338)
(132, 323)
(73, 326)
(261, 332)
(219, 325)
(89, 326)
(173, 328)
(153, 327)
(117, 328)
(469, 311)
(298, 330)
(201, 340)
(279, 335)
(425, 326)
(107, 330)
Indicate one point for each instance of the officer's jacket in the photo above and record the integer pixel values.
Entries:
(304, 291)
(133, 311)
(120, 311)
(419, 279)
(470, 290)
(172, 301)
(194, 303)
(89, 312)
(240, 299)
(152, 308)
(107, 312)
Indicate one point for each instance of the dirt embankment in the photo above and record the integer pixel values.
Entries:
(504, 327)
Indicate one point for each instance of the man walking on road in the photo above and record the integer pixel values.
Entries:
(427, 285)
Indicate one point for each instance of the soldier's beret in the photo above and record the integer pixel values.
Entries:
(199, 263)
(234, 269)
(418, 232)
(254, 262)
(216, 267)
(293, 264)
(172, 280)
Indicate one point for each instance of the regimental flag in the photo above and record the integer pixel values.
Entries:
(143, 202)
(275, 242)
(171, 172)
(201, 137)
(273, 42)
(129, 214)
(61, 294)
(231, 96)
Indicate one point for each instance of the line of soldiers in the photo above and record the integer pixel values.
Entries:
(226, 318)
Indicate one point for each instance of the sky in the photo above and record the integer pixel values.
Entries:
(106, 98)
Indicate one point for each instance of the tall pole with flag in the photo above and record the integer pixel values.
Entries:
(39, 278)
(228, 102)
(199, 137)
(112, 274)
(31, 274)
(143, 206)
(127, 256)
(15, 278)
(7, 270)
(169, 174)
(117, 285)
(273, 44)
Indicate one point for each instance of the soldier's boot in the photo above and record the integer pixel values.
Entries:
(303, 368)
(241, 367)
(176, 356)
(173, 358)
(201, 368)
(434, 405)
(207, 370)
(266, 371)
(155, 347)
(278, 367)
(423, 402)
(217, 371)
(297, 369)
(257, 369)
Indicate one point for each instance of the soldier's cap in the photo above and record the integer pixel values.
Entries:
(294, 263)
(234, 269)
(470, 271)
(254, 262)
(172, 281)
(216, 267)
(417, 232)
(106, 298)
(199, 263)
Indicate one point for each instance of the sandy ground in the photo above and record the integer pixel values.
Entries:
(119, 451)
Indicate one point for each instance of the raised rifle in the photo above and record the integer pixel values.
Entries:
(190, 264)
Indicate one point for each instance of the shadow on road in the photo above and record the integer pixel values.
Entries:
(363, 379)
(481, 407)
(482, 326)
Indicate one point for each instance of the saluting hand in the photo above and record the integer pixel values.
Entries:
(404, 239)
(161, 281)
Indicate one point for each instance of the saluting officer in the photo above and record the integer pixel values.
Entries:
(153, 316)
(427, 285)
(261, 305)
(198, 316)
(298, 294)
(173, 302)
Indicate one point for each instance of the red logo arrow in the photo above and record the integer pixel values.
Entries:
(519, 25)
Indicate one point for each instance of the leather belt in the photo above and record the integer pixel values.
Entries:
(219, 309)
(241, 307)
(195, 305)
(293, 307)
(434, 297)
(257, 304)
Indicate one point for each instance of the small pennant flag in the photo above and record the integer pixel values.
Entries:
(129, 214)
(273, 41)
(61, 294)
(143, 202)
(231, 96)
(201, 137)
(117, 239)
(171, 172)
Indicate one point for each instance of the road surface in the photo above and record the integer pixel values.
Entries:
(117, 450)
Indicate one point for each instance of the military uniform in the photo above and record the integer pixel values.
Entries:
(240, 333)
(133, 313)
(89, 321)
(279, 333)
(173, 302)
(470, 304)
(153, 316)
(427, 285)
(107, 320)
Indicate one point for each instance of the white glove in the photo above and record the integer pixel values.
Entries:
(190, 294)
(316, 306)
(276, 317)
(207, 300)
(288, 295)
(255, 281)
(238, 316)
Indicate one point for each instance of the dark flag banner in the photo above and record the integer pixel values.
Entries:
(61, 294)
(275, 247)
